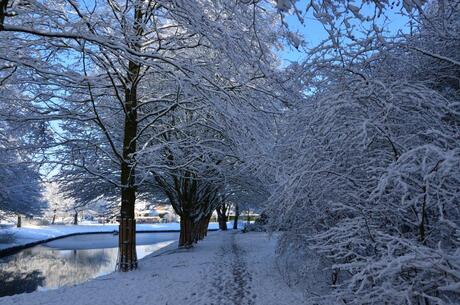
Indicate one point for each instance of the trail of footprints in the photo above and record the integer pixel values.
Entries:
(231, 282)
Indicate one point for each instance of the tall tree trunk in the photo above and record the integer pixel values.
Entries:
(54, 217)
(203, 227)
(223, 224)
(207, 225)
(75, 218)
(222, 216)
(186, 232)
(237, 215)
(127, 258)
(19, 223)
(3, 7)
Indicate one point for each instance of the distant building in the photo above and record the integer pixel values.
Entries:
(155, 213)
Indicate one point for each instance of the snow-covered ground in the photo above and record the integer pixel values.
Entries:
(25, 235)
(225, 268)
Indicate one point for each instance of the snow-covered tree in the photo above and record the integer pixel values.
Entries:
(20, 190)
(20, 183)
(104, 74)
(369, 168)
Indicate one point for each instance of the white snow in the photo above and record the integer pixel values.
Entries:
(225, 268)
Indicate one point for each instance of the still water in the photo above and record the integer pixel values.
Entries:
(69, 261)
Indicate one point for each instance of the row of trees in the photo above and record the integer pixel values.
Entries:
(140, 98)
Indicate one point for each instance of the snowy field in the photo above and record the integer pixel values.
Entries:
(25, 235)
(226, 268)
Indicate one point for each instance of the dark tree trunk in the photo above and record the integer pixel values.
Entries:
(186, 237)
(75, 218)
(127, 258)
(207, 225)
(3, 7)
(196, 231)
(54, 217)
(237, 215)
(222, 217)
(222, 222)
(203, 227)
(19, 223)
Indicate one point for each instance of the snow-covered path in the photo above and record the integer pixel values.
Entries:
(227, 268)
(231, 282)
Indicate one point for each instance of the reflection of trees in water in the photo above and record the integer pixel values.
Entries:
(58, 267)
(17, 282)
(50, 268)
(77, 266)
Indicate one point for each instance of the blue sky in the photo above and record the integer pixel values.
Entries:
(313, 31)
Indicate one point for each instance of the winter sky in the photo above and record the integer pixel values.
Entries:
(313, 31)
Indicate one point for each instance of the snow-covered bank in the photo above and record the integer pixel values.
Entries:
(31, 234)
(226, 268)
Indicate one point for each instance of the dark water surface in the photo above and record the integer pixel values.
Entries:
(69, 261)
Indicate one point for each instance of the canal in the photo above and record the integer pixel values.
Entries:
(69, 261)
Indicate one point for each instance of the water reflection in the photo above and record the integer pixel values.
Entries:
(69, 261)
(16, 282)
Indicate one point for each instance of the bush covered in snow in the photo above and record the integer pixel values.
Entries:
(371, 170)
